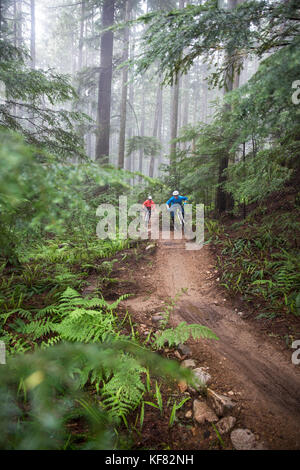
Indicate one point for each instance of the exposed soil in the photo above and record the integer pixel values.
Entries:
(256, 369)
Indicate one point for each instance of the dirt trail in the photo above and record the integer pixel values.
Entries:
(257, 369)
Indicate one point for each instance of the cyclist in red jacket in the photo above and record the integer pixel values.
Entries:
(149, 205)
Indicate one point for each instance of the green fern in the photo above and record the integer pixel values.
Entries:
(52, 310)
(180, 334)
(50, 342)
(15, 344)
(124, 391)
(73, 318)
(86, 326)
(85, 320)
(39, 328)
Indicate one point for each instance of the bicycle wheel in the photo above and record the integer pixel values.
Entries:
(147, 217)
(180, 217)
(177, 220)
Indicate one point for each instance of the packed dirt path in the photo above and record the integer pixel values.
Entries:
(255, 368)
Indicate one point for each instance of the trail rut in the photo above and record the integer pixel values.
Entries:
(245, 360)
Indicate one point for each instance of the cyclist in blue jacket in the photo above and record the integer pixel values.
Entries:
(176, 199)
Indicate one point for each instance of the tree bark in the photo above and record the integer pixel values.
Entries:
(159, 130)
(0, 17)
(196, 94)
(80, 52)
(185, 104)
(224, 200)
(124, 90)
(19, 24)
(155, 126)
(141, 153)
(174, 114)
(131, 158)
(15, 24)
(32, 34)
(186, 101)
(105, 82)
(175, 106)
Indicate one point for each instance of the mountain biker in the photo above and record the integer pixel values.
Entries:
(149, 205)
(176, 199)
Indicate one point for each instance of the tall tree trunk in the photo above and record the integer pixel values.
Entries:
(204, 103)
(224, 200)
(80, 51)
(159, 129)
(175, 107)
(174, 114)
(204, 93)
(84, 107)
(15, 24)
(91, 135)
(155, 126)
(73, 54)
(244, 161)
(174, 128)
(185, 104)
(196, 94)
(186, 101)
(32, 34)
(130, 131)
(124, 89)
(141, 153)
(129, 159)
(19, 24)
(105, 81)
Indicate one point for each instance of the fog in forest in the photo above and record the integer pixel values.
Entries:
(118, 331)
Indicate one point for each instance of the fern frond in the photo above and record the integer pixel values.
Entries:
(39, 328)
(123, 393)
(180, 334)
(120, 299)
(85, 326)
(50, 342)
(49, 310)
(24, 313)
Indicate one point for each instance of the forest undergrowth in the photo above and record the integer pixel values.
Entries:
(78, 373)
(258, 260)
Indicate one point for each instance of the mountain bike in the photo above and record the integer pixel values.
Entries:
(147, 218)
(178, 219)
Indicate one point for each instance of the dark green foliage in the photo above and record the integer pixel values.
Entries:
(41, 395)
(38, 199)
(30, 100)
(177, 37)
(116, 372)
(261, 118)
(264, 266)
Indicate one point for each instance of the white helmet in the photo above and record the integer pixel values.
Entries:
(149, 197)
(175, 193)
